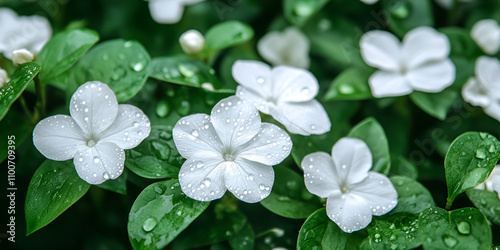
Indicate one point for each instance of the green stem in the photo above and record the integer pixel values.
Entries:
(448, 204)
(40, 101)
(25, 108)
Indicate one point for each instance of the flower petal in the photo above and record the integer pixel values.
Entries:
(195, 137)
(129, 129)
(424, 44)
(377, 191)
(254, 98)
(236, 121)
(487, 71)
(289, 47)
(493, 110)
(384, 84)
(203, 179)
(293, 84)
(486, 33)
(166, 12)
(270, 146)
(97, 164)
(304, 118)
(94, 107)
(58, 137)
(380, 49)
(432, 77)
(249, 181)
(349, 212)
(255, 76)
(474, 93)
(320, 174)
(352, 159)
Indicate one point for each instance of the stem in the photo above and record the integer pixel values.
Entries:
(41, 100)
(25, 108)
(448, 204)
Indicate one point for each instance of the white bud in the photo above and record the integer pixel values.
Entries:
(486, 33)
(4, 78)
(21, 56)
(192, 42)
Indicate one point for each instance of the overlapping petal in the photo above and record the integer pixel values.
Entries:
(320, 175)
(293, 84)
(486, 33)
(384, 83)
(381, 49)
(423, 45)
(195, 136)
(303, 118)
(352, 159)
(487, 71)
(249, 181)
(102, 162)
(203, 179)
(475, 93)
(377, 191)
(255, 76)
(350, 212)
(432, 77)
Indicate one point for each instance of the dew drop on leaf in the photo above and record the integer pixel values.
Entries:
(149, 224)
(450, 241)
(463, 227)
(480, 153)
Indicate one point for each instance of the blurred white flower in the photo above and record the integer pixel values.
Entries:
(229, 150)
(22, 32)
(420, 62)
(4, 78)
(447, 4)
(192, 42)
(289, 47)
(285, 93)
(486, 33)
(493, 182)
(21, 56)
(95, 135)
(353, 192)
(168, 11)
(369, 1)
(484, 89)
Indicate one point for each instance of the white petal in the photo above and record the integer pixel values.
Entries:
(129, 129)
(432, 77)
(377, 191)
(293, 84)
(304, 118)
(97, 164)
(255, 76)
(320, 175)
(422, 45)
(166, 11)
(254, 98)
(369, 1)
(487, 71)
(203, 179)
(384, 84)
(249, 181)
(94, 107)
(380, 49)
(486, 33)
(352, 159)
(349, 212)
(194, 136)
(493, 109)
(58, 137)
(235, 121)
(475, 93)
(289, 47)
(270, 146)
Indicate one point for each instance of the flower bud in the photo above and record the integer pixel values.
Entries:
(21, 56)
(4, 78)
(192, 42)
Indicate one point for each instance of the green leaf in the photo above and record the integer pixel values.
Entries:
(401, 166)
(16, 126)
(63, 50)
(299, 11)
(469, 161)
(464, 228)
(55, 186)
(156, 157)
(289, 196)
(13, 89)
(406, 15)
(461, 42)
(244, 239)
(351, 84)
(227, 34)
(118, 185)
(413, 197)
(435, 104)
(372, 133)
(487, 202)
(396, 231)
(160, 213)
(122, 65)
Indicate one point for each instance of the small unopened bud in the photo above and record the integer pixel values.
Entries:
(192, 42)
(21, 56)
(4, 78)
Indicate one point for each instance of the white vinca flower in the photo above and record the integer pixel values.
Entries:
(286, 93)
(168, 11)
(22, 32)
(486, 33)
(420, 62)
(493, 182)
(484, 89)
(95, 135)
(289, 47)
(229, 150)
(353, 192)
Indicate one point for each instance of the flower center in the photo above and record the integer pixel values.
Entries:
(344, 189)
(91, 142)
(228, 154)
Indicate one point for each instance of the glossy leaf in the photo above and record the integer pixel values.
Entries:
(227, 34)
(401, 166)
(413, 197)
(396, 231)
(15, 126)
(487, 202)
(406, 15)
(299, 11)
(160, 213)
(351, 84)
(461, 42)
(55, 186)
(244, 239)
(435, 104)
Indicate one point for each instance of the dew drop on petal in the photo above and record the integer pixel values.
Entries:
(96, 159)
(105, 175)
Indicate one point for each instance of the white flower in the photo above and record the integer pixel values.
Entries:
(22, 32)
(95, 135)
(493, 182)
(289, 47)
(192, 42)
(285, 93)
(168, 11)
(420, 62)
(21, 56)
(486, 33)
(369, 1)
(484, 89)
(229, 150)
(353, 192)
(4, 78)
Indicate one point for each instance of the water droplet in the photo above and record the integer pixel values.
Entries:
(199, 164)
(305, 91)
(185, 71)
(184, 108)
(105, 175)
(304, 9)
(480, 153)
(400, 10)
(139, 132)
(195, 133)
(149, 224)
(463, 227)
(483, 135)
(491, 149)
(377, 236)
(96, 159)
(450, 241)
(118, 73)
(260, 80)
(137, 66)
(207, 182)
(346, 89)
(268, 156)
(128, 44)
